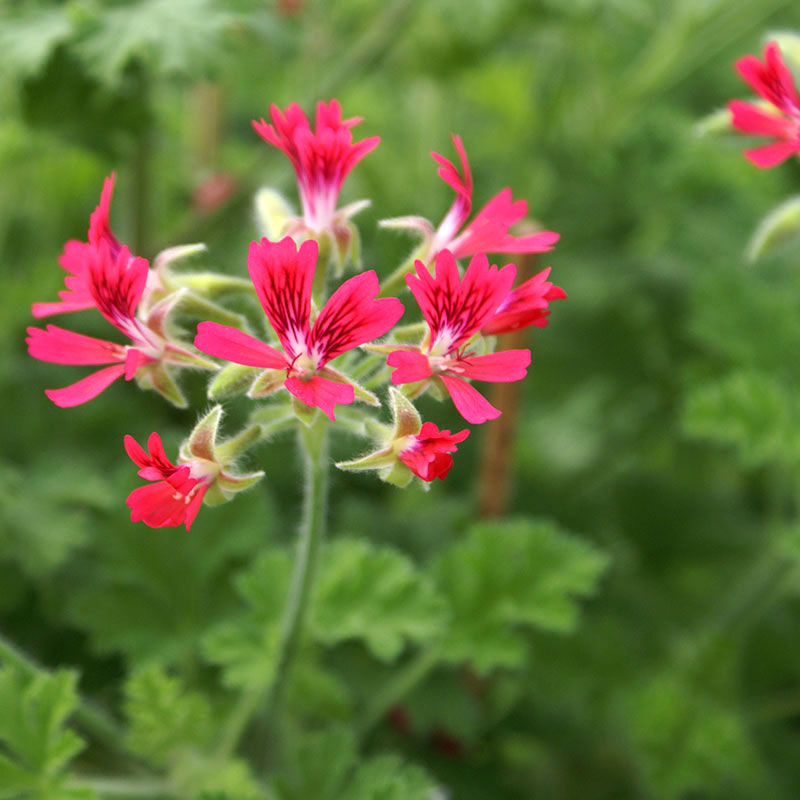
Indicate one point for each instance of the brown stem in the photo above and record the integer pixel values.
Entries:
(496, 473)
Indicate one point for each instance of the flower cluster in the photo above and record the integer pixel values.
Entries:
(315, 320)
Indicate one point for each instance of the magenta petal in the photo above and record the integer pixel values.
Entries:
(321, 393)
(85, 389)
(352, 317)
(158, 505)
(136, 452)
(60, 346)
(409, 366)
(471, 404)
(231, 344)
(502, 367)
(770, 155)
(749, 118)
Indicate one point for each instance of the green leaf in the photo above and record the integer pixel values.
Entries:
(509, 574)
(749, 410)
(690, 741)
(246, 647)
(173, 36)
(28, 38)
(388, 778)
(155, 592)
(318, 766)
(33, 713)
(375, 594)
(164, 718)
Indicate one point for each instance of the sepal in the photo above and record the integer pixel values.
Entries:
(304, 413)
(200, 443)
(362, 394)
(157, 377)
(269, 381)
(380, 459)
(407, 420)
(399, 475)
(231, 380)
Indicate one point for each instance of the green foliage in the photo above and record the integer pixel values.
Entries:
(505, 576)
(326, 767)
(377, 595)
(247, 646)
(171, 37)
(33, 713)
(163, 717)
(750, 410)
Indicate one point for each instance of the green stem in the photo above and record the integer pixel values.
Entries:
(404, 681)
(94, 720)
(396, 281)
(314, 443)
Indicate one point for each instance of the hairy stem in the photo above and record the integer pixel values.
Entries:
(314, 444)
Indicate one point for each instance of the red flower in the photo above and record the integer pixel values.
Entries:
(455, 310)
(177, 490)
(76, 257)
(488, 231)
(115, 284)
(283, 276)
(774, 82)
(426, 453)
(321, 159)
(526, 305)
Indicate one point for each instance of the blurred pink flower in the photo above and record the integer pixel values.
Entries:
(526, 305)
(283, 276)
(455, 310)
(773, 81)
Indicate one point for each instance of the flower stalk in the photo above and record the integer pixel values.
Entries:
(314, 444)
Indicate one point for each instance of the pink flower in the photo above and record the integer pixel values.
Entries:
(177, 490)
(321, 159)
(115, 283)
(283, 276)
(455, 310)
(774, 82)
(76, 256)
(427, 453)
(526, 305)
(488, 232)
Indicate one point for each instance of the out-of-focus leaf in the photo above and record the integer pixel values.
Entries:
(27, 38)
(388, 778)
(33, 714)
(173, 36)
(318, 767)
(511, 574)
(164, 718)
(749, 410)
(246, 647)
(374, 594)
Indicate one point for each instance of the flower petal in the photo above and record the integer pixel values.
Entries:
(409, 366)
(502, 367)
(469, 402)
(85, 389)
(231, 344)
(321, 393)
(351, 317)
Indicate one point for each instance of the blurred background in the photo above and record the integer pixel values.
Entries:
(660, 420)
